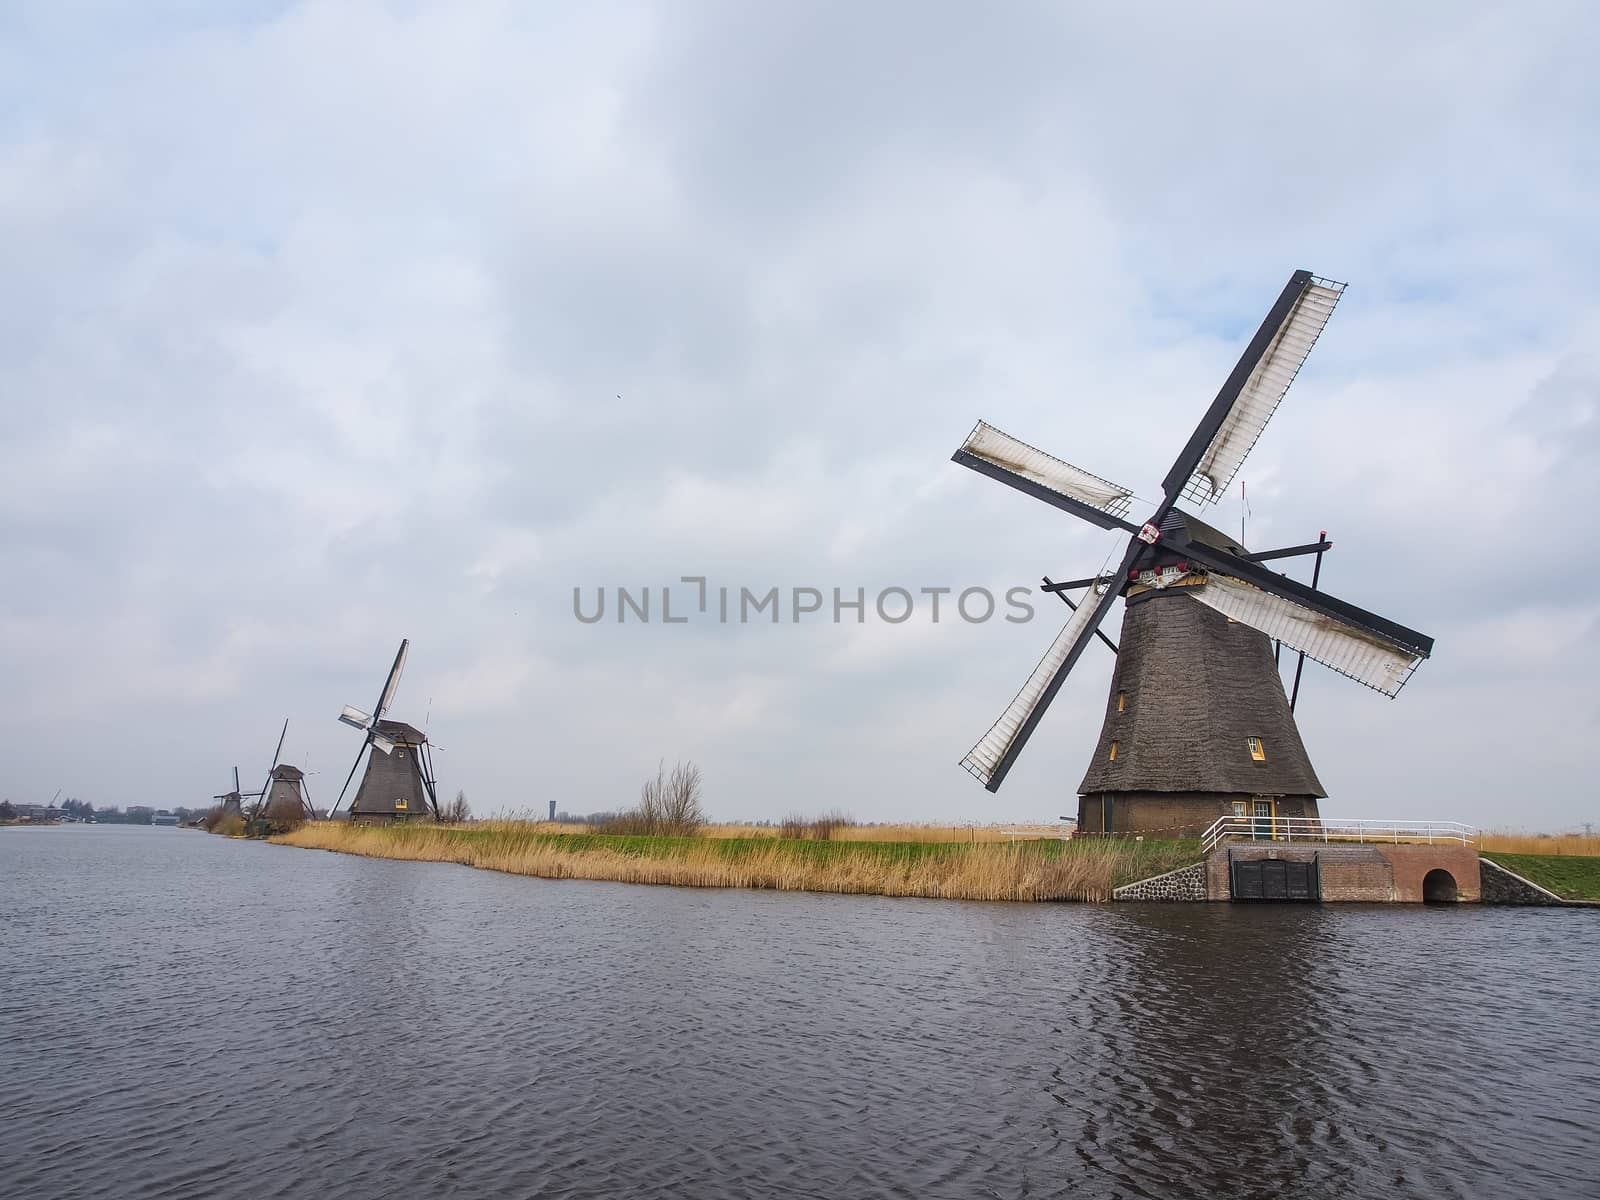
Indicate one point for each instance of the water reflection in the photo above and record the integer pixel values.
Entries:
(239, 1020)
(1217, 1015)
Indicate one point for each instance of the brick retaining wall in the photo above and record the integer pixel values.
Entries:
(1362, 873)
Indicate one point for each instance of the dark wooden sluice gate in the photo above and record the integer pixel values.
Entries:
(1275, 879)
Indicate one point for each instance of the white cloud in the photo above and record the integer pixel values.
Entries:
(344, 323)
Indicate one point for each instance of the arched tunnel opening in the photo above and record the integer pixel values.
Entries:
(1438, 887)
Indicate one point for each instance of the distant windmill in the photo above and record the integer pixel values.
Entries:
(398, 784)
(283, 797)
(1197, 724)
(233, 802)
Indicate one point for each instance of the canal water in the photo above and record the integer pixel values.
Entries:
(186, 1016)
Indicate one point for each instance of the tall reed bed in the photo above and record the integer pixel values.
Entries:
(1023, 870)
(1505, 841)
(836, 831)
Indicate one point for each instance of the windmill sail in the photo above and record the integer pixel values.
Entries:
(385, 700)
(1274, 371)
(984, 760)
(1359, 654)
(266, 788)
(354, 716)
(1006, 453)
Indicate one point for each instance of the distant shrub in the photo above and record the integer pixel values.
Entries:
(669, 806)
(829, 823)
(286, 813)
(823, 828)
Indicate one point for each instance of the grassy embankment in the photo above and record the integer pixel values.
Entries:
(1566, 863)
(955, 868)
(1567, 875)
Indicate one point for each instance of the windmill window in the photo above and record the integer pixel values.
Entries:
(399, 803)
(1113, 756)
(1122, 701)
(1258, 748)
(399, 753)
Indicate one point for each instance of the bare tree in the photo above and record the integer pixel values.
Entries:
(681, 811)
(669, 805)
(457, 811)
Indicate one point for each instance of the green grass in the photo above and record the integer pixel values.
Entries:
(1567, 875)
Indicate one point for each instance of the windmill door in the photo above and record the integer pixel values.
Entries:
(1262, 826)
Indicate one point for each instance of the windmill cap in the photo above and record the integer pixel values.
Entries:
(399, 731)
(1197, 530)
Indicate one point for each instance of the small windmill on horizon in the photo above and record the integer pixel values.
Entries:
(398, 784)
(1197, 723)
(233, 802)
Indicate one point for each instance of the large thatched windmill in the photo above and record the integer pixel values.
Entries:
(1197, 725)
(398, 784)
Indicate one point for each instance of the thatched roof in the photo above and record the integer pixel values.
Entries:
(1197, 687)
(399, 731)
(390, 777)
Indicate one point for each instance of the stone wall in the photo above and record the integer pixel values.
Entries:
(1501, 886)
(1186, 883)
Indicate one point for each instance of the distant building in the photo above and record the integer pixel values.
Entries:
(163, 817)
(139, 814)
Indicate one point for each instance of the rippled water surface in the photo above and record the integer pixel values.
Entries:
(188, 1016)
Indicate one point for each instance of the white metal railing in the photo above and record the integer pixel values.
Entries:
(1336, 829)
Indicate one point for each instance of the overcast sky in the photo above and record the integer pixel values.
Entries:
(324, 325)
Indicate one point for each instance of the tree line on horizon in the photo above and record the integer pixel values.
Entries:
(83, 810)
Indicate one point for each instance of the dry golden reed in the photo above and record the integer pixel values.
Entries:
(845, 833)
(1508, 841)
(1022, 870)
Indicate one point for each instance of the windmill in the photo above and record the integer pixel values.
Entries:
(1197, 725)
(282, 800)
(398, 784)
(233, 802)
